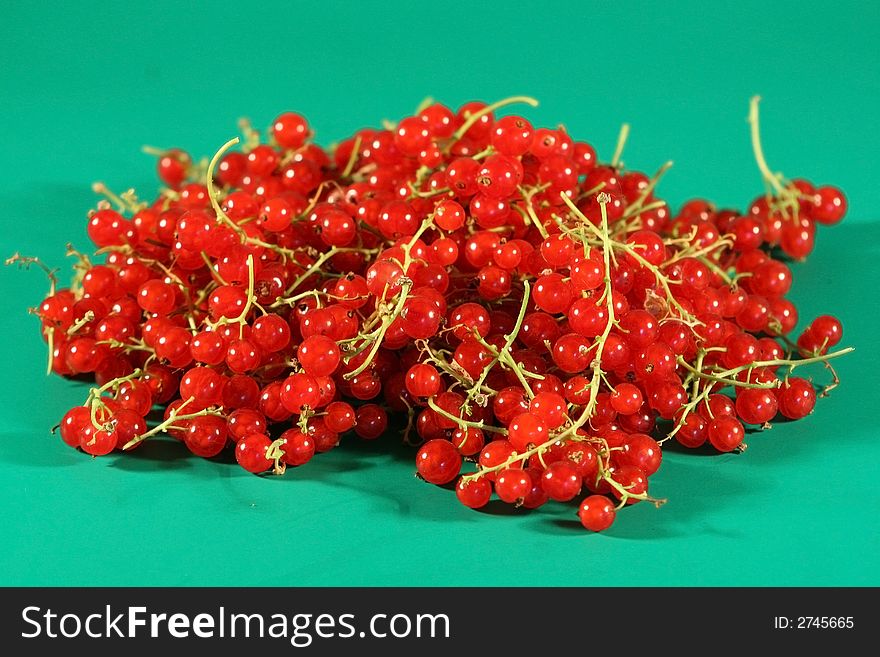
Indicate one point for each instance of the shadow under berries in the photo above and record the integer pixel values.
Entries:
(164, 453)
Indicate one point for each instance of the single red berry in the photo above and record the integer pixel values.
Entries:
(829, 205)
(319, 355)
(756, 405)
(512, 485)
(550, 407)
(250, 453)
(290, 130)
(797, 398)
(726, 433)
(438, 461)
(494, 454)
(561, 480)
(626, 398)
(596, 513)
(473, 493)
(423, 380)
(525, 430)
(372, 421)
(340, 416)
(206, 435)
(298, 447)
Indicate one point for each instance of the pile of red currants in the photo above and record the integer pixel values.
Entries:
(523, 307)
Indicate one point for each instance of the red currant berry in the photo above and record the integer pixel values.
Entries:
(596, 513)
(250, 453)
(438, 461)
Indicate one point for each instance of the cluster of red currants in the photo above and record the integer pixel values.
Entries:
(525, 307)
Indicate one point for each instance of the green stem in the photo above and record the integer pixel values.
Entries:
(621, 142)
(462, 422)
(476, 116)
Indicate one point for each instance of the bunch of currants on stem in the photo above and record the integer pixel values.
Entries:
(541, 321)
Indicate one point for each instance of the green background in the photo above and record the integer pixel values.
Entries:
(84, 85)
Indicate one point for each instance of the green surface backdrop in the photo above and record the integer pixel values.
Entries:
(84, 85)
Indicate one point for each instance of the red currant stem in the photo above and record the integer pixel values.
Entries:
(316, 197)
(483, 154)
(427, 101)
(505, 348)
(725, 380)
(379, 333)
(204, 293)
(302, 422)
(290, 301)
(621, 142)
(83, 264)
(475, 392)
(527, 195)
(25, 262)
(789, 363)
(604, 238)
(522, 213)
(134, 345)
(407, 248)
(476, 116)
(94, 402)
(361, 174)
(625, 495)
(174, 416)
(695, 391)
(773, 179)
(154, 151)
(50, 343)
(725, 241)
(287, 253)
(516, 457)
(403, 295)
(410, 423)
(316, 266)
(629, 214)
(114, 384)
(580, 234)
(835, 381)
(591, 192)
(521, 374)
(275, 452)
(663, 280)
(212, 190)
(596, 380)
(369, 324)
(422, 174)
(212, 270)
(570, 433)
(435, 358)
(415, 193)
(646, 192)
(352, 158)
(723, 275)
(147, 261)
(289, 154)
(241, 318)
(698, 396)
(82, 321)
(250, 134)
(103, 190)
(462, 422)
(131, 199)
